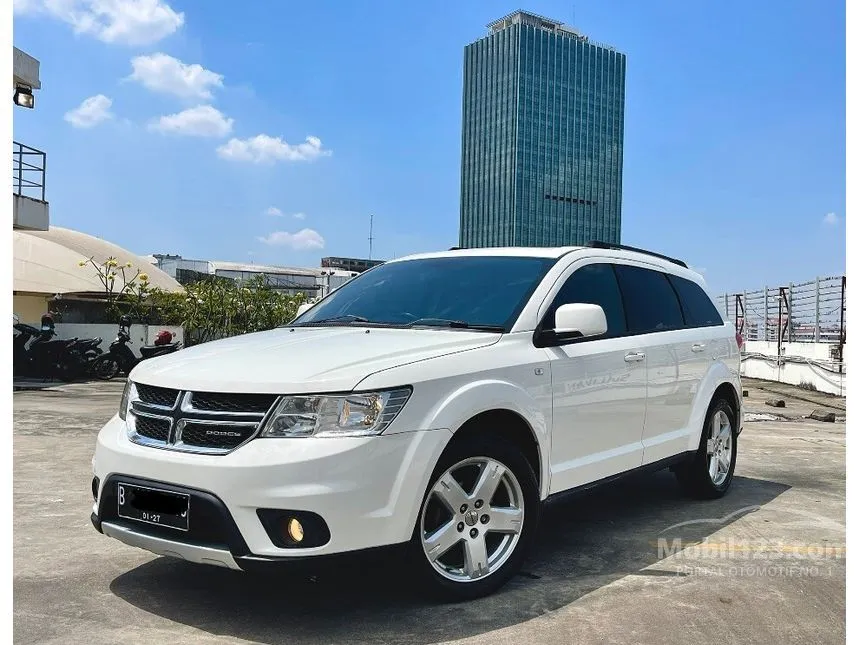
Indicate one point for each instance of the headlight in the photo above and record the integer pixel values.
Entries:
(129, 394)
(349, 415)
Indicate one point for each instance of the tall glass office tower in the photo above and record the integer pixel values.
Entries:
(543, 133)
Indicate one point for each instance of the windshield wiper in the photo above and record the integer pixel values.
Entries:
(454, 324)
(344, 318)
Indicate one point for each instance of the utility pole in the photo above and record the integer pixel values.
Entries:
(370, 239)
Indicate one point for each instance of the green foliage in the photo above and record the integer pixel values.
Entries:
(207, 309)
(124, 293)
(215, 309)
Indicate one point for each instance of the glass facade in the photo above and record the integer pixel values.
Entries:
(543, 133)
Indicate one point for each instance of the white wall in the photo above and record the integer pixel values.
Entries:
(28, 213)
(140, 334)
(799, 363)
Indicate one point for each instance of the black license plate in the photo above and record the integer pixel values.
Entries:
(153, 505)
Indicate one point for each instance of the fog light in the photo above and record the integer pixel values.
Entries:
(295, 530)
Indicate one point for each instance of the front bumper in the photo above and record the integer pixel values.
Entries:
(368, 490)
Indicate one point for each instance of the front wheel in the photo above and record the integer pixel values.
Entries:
(477, 518)
(106, 367)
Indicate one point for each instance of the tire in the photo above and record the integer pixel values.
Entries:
(697, 477)
(462, 570)
(105, 367)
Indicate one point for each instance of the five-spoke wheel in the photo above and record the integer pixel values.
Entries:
(709, 472)
(468, 535)
(477, 517)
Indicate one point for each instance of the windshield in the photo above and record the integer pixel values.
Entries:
(458, 292)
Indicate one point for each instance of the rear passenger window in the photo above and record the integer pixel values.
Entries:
(649, 300)
(593, 284)
(699, 310)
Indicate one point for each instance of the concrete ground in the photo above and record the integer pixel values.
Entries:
(630, 562)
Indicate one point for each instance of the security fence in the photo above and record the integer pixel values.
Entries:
(807, 312)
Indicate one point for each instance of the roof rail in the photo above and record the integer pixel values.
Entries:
(596, 244)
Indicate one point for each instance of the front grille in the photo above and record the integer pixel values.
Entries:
(220, 402)
(162, 396)
(202, 422)
(212, 435)
(158, 429)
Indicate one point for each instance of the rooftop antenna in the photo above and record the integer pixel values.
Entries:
(370, 239)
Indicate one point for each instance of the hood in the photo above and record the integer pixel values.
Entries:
(301, 360)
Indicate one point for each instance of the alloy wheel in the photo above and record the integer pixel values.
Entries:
(472, 519)
(719, 448)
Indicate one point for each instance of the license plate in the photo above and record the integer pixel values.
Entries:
(153, 505)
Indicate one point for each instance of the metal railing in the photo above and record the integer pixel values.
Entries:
(28, 171)
(808, 312)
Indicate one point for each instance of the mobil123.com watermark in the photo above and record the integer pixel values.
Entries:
(758, 557)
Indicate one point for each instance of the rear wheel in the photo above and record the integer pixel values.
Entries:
(106, 367)
(477, 519)
(709, 474)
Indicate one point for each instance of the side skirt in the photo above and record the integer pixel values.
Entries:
(661, 464)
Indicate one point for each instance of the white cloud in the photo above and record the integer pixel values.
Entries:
(266, 149)
(168, 75)
(128, 22)
(90, 112)
(274, 211)
(303, 240)
(200, 121)
(831, 219)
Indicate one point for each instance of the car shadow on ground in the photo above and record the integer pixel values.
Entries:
(585, 542)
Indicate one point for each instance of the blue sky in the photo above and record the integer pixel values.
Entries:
(734, 134)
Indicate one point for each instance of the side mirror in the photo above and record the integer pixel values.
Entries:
(579, 321)
(303, 308)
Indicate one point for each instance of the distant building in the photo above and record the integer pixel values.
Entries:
(543, 135)
(313, 283)
(349, 264)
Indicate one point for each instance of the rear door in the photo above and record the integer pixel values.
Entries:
(656, 321)
(697, 346)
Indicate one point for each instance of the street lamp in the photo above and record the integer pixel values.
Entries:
(24, 97)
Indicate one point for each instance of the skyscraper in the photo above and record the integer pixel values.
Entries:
(543, 133)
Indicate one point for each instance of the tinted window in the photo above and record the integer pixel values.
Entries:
(479, 290)
(649, 300)
(699, 310)
(593, 284)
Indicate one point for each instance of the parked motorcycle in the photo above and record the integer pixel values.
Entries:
(37, 354)
(120, 359)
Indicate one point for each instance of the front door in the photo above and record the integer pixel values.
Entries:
(598, 387)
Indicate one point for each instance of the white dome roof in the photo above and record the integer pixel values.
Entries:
(47, 262)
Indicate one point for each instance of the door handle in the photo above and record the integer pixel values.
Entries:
(699, 347)
(634, 357)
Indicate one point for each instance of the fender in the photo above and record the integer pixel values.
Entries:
(472, 398)
(718, 374)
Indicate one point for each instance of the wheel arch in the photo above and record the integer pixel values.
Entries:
(720, 382)
(511, 426)
(500, 407)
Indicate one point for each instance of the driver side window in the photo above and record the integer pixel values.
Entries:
(593, 284)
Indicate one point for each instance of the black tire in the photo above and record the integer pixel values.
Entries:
(508, 455)
(105, 367)
(695, 476)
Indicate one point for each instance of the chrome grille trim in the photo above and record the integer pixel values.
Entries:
(183, 412)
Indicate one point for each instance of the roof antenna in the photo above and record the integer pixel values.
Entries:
(370, 239)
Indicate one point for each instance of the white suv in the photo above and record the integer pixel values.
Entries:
(433, 402)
